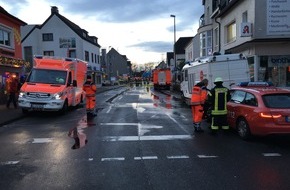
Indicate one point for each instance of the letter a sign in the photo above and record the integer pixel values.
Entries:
(246, 29)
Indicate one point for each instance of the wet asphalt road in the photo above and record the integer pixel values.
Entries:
(140, 139)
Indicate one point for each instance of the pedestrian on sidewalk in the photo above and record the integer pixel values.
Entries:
(12, 91)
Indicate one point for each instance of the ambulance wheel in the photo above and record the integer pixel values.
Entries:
(64, 108)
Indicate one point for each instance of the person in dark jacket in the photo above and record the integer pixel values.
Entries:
(12, 90)
(220, 95)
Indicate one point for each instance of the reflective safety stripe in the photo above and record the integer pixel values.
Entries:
(220, 103)
(225, 127)
(213, 126)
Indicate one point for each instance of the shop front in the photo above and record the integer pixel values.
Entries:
(10, 68)
(275, 69)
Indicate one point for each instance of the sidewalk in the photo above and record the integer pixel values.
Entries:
(8, 115)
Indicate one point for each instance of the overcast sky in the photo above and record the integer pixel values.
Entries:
(140, 29)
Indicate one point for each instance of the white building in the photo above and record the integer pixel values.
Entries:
(257, 28)
(60, 37)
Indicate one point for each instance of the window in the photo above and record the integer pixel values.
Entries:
(238, 96)
(87, 58)
(48, 53)
(245, 16)
(216, 39)
(92, 55)
(186, 75)
(206, 43)
(47, 37)
(277, 101)
(231, 32)
(72, 53)
(5, 38)
(250, 100)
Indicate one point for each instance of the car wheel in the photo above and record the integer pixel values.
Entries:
(25, 111)
(243, 129)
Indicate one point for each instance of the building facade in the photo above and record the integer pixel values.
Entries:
(11, 62)
(258, 29)
(118, 66)
(60, 37)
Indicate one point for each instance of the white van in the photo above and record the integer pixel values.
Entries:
(233, 68)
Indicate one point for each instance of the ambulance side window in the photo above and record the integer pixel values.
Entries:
(186, 75)
(69, 82)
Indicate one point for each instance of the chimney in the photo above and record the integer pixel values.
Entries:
(54, 9)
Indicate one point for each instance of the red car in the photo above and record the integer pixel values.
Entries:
(257, 108)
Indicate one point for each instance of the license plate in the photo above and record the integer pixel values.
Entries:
(287, 118)
(36, 106)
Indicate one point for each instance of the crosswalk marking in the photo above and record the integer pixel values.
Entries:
(147, 138)
(178, 157)
(146, 158)
(271, 154)
(206, 156)
(113, 159)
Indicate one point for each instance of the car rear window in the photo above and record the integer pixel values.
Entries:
(277, 100)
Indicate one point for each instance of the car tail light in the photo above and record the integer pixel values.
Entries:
(269, 115)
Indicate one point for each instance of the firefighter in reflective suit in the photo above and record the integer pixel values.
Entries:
(219, 97)
(90, 89)
(198, 98)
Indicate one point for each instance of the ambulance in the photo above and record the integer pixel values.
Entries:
(54, 84)
(161, 78)
(232, 68)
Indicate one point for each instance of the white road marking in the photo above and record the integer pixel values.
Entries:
(42, 140)
(113, 159)
(147, 138)
(91, 159)
(133, 124)
(108, 111)
(177, 123)
(178, 157)
(146, 158)
(271, 154)
(205, 156)
(10, 163)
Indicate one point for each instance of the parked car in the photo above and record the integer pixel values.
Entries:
(258, 108)
(106, 83)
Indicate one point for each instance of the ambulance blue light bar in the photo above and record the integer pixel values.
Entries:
(255, 84)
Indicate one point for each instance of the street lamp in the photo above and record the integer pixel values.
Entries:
(174, 41)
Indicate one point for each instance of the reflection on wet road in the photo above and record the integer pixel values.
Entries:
(77, 132)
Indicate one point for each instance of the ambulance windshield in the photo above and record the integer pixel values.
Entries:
(47, 76)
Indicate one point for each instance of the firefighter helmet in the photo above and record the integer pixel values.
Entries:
(218, 79)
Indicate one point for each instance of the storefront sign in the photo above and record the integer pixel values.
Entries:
(278, 16)
(246, 29)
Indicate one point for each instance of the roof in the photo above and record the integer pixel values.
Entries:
(78, 30)
(4, 12)
(181, 43)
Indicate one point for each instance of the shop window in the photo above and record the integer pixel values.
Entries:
(275, 69)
